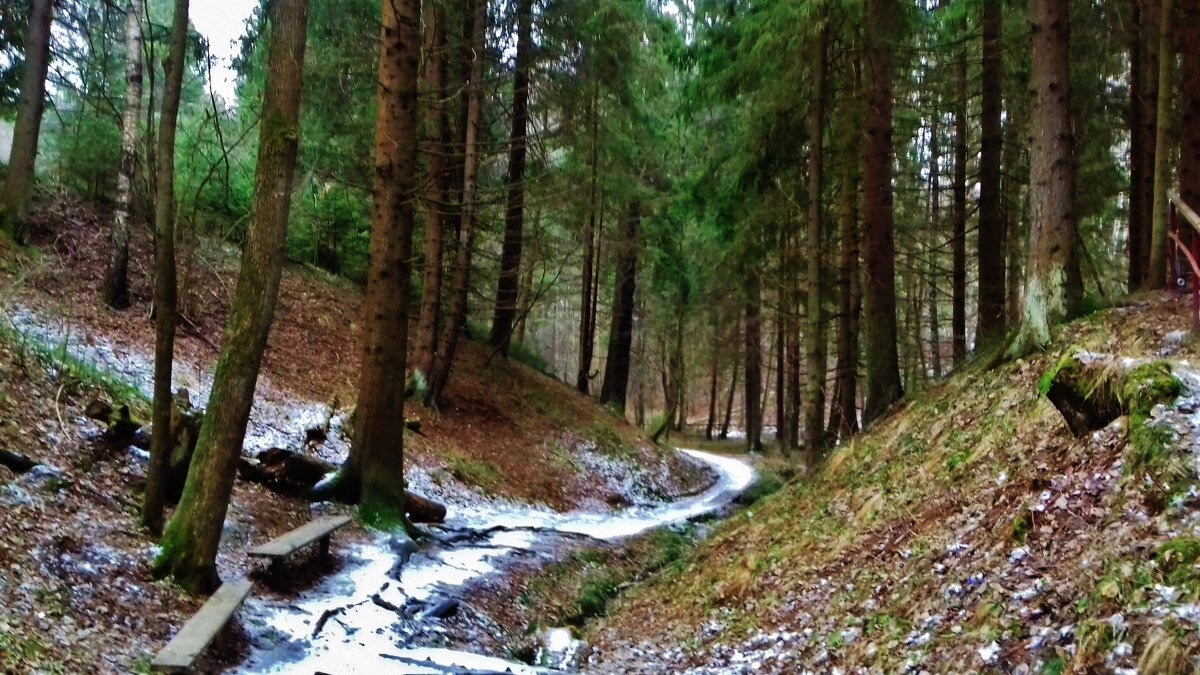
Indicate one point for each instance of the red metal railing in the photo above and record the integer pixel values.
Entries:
(1181, 211)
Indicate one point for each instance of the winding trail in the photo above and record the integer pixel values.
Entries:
(363, 620)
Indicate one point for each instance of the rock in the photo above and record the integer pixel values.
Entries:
(43, 478)
(441, 609)
(13, 495)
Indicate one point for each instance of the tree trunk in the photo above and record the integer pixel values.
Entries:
(1189, 88)
(729, 404)
(990, 328)
(374, 471)
(616, 367)
(437, 196)
(752, 412)
(935, 229)
(189, 546)
(114, 291)
(164, 270)
(461, 283)
(814, 403)
(27, 129)
(712, 401)
(1015, 176)
(780, 353)
(958, 281)
(844, 415)
(883, 365)
(514, 218)
(1156, 269)
(1053, 260)
(587, 327)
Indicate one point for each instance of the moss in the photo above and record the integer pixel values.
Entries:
(1065, 362)
(1148, 385)
(767, 484)
(594, 595)
(1177, 558)
(1021, 525)
(473, 471)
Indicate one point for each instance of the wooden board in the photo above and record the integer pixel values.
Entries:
(182, 651)
(300, 537)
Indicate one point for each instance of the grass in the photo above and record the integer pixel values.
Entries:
(73, 374)
(472, 471)
(517, 350)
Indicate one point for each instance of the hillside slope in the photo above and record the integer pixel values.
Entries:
(966, 532)
(504, 429)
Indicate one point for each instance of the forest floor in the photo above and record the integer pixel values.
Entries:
(968, 531)
(76, 591)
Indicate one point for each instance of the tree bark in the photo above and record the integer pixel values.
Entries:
(616, 367)
(374, 471)
(189, 546)
(514, 218)
(114, 291)
(990, 328)
(1156, 268)
(958, 281)
(437, 196)
(815, 357)
(729, 404)
(935, 228)
(1053, 260)
(752, 336)
(587, 327)
(1189, 88)
(164, 270)
(712, 401)
(461, 283)
(844, 416)
(883, 365)
(27, 129)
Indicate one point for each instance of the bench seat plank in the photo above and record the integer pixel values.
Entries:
(181, 652)
(300, 537)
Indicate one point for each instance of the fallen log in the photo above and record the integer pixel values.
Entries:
(1091, 390)
(295, 475)
(16, 461)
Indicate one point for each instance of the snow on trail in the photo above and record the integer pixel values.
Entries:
(377, 625)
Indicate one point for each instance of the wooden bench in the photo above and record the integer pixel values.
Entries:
(318, 530)
(180, 654)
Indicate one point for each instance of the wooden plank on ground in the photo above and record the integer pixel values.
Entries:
(181, 652)
(300, 537)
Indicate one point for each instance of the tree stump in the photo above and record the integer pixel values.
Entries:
(1090, 390)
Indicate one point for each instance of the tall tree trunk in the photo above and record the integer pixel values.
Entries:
(374, 471)
(752, 410)
(1189, 88)
(991, 227)
(815, 357)
(844, 416)
(1156, 269)
(728, 419)
(935, 229)
(616, 367)
(1137, 83)
(883, 364)
(780, 353)
(958, 281)
(1052, 242)
(189, 546)
(164, 272)
(514, 218)
(437, 196)
(27, 129)
(1015, 173)
(587, 326)
(712, 400)
(114, 291)
(461, 283)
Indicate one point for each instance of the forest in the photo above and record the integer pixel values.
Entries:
(593, 283)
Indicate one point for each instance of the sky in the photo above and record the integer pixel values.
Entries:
(222, 22)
